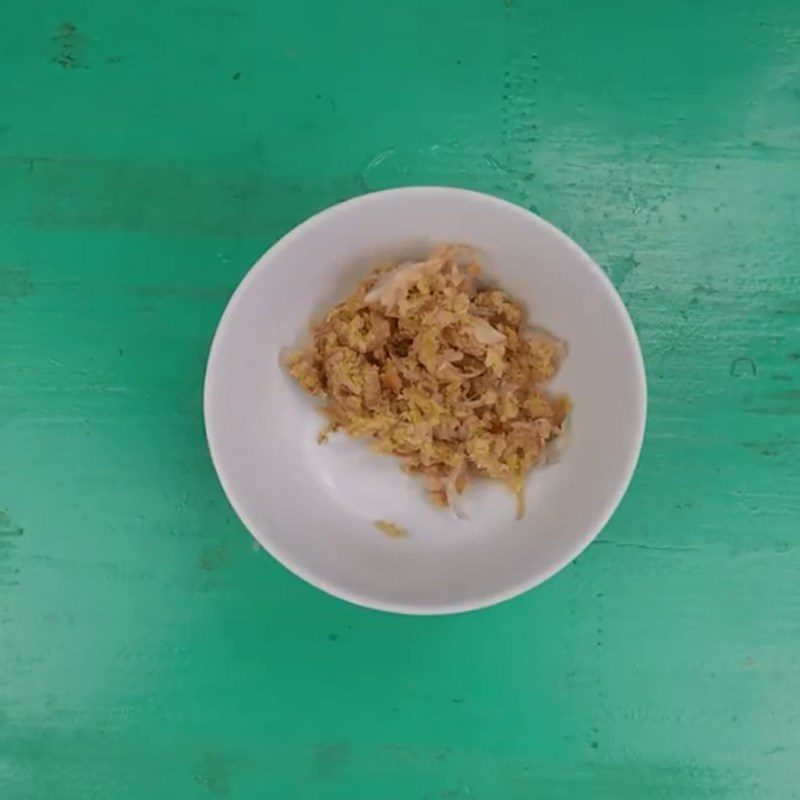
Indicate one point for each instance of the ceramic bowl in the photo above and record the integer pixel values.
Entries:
(313, 507)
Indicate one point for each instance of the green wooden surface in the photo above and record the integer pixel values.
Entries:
(149, 152)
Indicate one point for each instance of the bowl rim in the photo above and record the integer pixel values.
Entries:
(480, 600)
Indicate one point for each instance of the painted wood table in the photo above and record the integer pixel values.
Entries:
(150, 150)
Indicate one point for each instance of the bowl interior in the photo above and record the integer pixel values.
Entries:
(314, 506)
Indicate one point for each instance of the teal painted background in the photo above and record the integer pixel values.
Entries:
(149, 152)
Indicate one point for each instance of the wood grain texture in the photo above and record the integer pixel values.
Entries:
(149, 152)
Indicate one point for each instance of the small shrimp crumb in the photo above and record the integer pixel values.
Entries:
(390, 529)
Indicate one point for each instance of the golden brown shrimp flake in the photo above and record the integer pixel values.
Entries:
(390, 529)
(438, 370)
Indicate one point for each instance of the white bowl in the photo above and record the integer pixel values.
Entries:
(313, 507)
